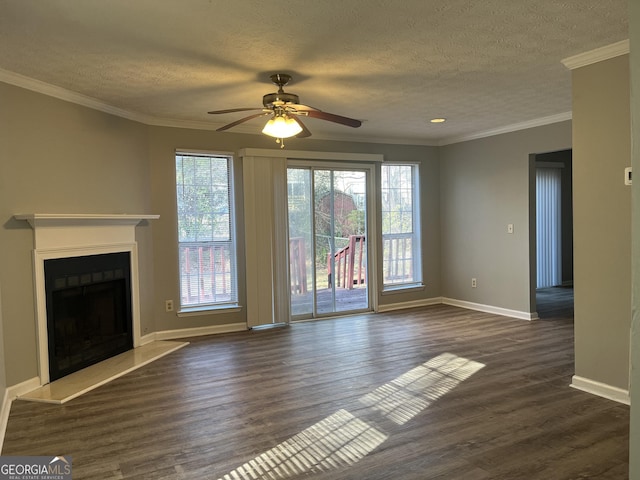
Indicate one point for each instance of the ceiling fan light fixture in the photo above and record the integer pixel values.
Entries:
(282, 126)
(282, 106)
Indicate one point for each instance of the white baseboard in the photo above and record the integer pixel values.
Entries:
(412, 304)
(10, 394)
(601, 389)
(198, 331)
(148, 338)
(20, 389)
(4, 415)
(459, 303)
(505, 312)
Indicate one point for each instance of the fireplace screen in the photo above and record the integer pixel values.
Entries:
(89, 316)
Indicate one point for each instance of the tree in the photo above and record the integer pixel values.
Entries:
(203, 198)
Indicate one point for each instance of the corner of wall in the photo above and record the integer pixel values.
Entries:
(601, 389)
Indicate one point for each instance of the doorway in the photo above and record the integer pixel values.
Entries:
(552, 234)
(329, 258)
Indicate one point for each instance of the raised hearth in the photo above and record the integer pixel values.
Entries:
(87, 379)
(69, 236)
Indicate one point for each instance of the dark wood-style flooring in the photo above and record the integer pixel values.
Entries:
(431, 393)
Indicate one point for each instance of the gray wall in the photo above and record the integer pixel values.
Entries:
(602, 221)
(57, 157)
(484, 186)
(165, 141)
(634, 24)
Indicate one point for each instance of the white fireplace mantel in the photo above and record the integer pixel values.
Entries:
(58, 219)
(70, 235)
(55, 230)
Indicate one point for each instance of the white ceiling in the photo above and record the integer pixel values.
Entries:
(485, 65)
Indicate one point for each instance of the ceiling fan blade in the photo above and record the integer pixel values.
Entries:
(305, 131)
(242, 120)
(231, 110)
(331, 117)
(302, 108)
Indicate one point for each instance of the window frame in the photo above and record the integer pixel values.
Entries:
(416, 235)
(201, 308)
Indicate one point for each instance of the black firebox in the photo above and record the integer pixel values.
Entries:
(89, 316)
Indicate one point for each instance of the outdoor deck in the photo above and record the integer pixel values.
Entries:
(346, 300)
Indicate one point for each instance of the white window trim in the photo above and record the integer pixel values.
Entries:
(210, 309)
(417, 285)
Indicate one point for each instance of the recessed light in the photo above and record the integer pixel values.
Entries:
(438, 120)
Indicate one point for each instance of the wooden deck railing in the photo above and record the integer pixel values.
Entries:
(206, 272)
(397, 257)
(298, 265)
(350, 263)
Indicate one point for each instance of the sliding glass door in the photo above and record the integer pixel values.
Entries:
(328, 216)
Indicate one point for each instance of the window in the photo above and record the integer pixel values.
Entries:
(206, 231)
(401, 259)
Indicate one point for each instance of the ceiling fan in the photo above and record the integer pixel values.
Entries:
(285, 110)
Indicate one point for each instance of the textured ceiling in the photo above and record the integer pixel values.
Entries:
(395, 64)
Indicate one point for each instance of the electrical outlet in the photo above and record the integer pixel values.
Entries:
(474, 283)
(168, 305)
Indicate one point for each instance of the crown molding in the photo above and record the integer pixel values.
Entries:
(60, 93)
(597, 55)
(193, 124)
(538, 122)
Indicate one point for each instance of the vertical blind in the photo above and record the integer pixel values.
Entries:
(548, 223)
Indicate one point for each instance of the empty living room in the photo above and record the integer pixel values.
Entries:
(355, 240)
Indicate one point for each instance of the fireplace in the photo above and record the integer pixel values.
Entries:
(89, 315)
(86, 288)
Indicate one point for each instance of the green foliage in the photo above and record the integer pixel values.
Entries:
(203, 198)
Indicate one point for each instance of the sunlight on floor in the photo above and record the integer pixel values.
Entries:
(404, 397)
(339, 440)
(343, 439)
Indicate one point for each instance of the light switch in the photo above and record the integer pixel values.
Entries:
(510, 228)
